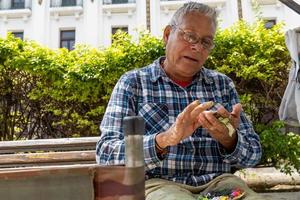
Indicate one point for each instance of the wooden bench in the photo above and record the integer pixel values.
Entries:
(64, 169)
(48, 152)
(73, 182)
(27, 169)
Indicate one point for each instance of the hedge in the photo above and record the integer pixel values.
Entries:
(48, 93)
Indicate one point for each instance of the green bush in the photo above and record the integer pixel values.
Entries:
(279, 150)
(257, 60)
(47, 93)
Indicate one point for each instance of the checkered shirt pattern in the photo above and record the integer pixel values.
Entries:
(150, 93)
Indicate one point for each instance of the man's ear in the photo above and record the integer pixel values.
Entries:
(167, 32)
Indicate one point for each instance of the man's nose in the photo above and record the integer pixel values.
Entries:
(197, 47)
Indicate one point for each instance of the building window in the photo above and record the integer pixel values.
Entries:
(67, 39)
(117, 28)
(121, 28)
(18, 34)
(118, 1)
(269, 23)
(68, 3)
(17, 4)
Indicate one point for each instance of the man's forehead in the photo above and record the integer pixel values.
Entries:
(198, 23)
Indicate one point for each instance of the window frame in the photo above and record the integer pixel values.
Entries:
(270, 20)
(69, 40)
(20, 4)
(16, 34)
(67, 3)
(115, 28)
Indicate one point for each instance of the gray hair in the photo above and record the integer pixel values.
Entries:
(194, 7)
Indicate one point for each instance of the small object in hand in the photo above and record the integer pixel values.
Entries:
(226, 122)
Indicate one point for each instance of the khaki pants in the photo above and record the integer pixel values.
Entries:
(160, 189)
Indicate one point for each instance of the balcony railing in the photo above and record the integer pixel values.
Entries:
(15, 5)
(267, 2)
(66, 3)
(66, 8)
(106, 2)
(169, 6)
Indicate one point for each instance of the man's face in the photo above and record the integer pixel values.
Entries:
(183, 59)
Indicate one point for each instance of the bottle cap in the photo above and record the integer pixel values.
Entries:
(133, 125)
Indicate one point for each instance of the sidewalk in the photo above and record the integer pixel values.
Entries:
(267, 177)
(283, 195)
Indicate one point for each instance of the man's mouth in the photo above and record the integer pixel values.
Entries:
(190, 58)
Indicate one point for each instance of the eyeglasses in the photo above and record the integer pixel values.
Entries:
(193, 38)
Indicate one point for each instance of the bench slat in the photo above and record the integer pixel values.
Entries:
(25, 159)
(66, 144)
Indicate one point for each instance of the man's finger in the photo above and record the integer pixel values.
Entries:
(200, 108)
(203, 120)
(223, 112)
(191, 107)
(237, 109)
(185, 113)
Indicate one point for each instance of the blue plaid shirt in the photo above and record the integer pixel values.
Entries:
(150, 93)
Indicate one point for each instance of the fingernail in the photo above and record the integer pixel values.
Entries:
(210, 103)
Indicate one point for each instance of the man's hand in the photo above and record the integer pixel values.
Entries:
(185, 125)
(218, 130)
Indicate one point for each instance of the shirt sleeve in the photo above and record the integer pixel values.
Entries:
(110, 149)
(247, 152)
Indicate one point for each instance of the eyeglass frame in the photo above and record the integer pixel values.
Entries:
(186, 38)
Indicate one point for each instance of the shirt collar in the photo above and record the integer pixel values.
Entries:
(157, 71)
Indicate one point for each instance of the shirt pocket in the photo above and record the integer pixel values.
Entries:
(156, 117)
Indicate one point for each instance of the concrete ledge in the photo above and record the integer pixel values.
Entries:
(282, 195)
(269, 178)
(271, 183)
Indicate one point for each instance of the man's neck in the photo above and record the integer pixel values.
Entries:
(182, 82)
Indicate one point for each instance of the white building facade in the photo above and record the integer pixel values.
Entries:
(63, 23)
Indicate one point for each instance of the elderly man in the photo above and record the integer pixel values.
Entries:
(188, 151)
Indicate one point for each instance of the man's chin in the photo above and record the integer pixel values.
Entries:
(190, 68)
(188, 74)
